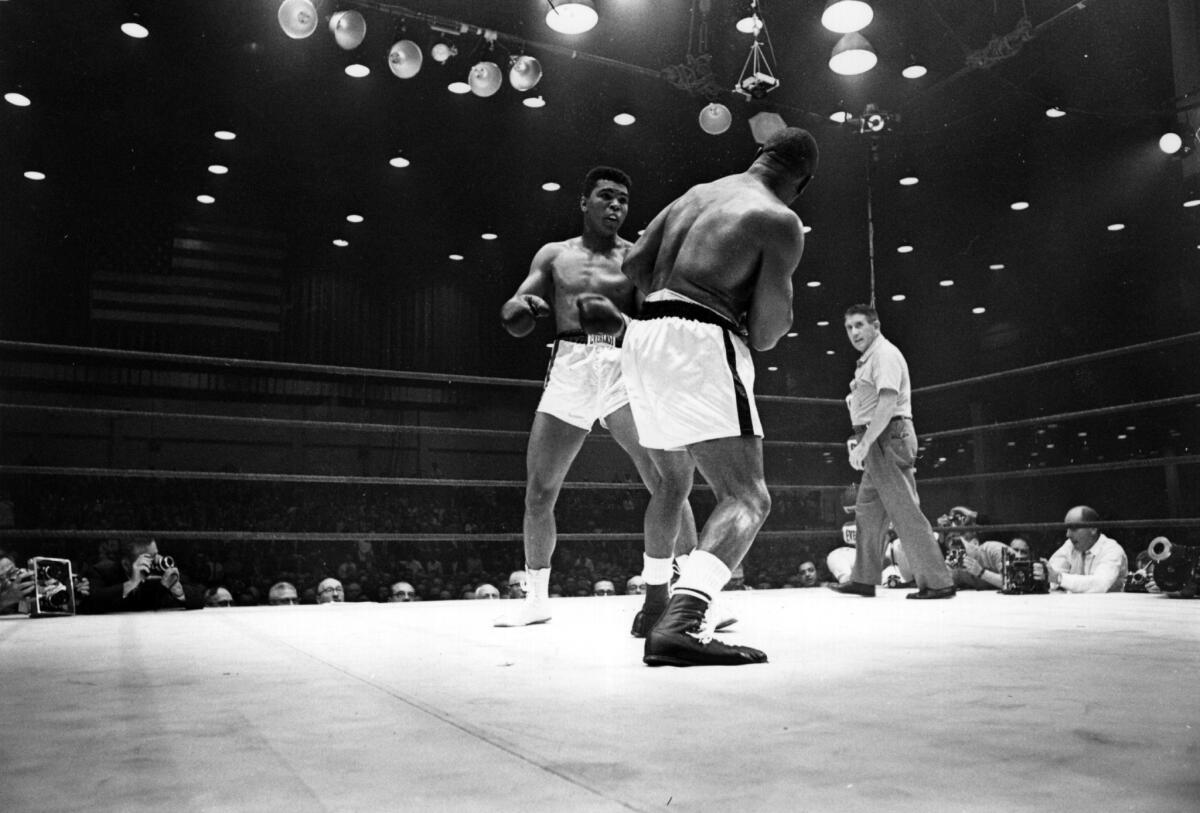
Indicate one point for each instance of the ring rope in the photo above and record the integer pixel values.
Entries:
(333, 370)
(339, 426)
(342, 536)
(170, 474)
(1064, 416)
(1054, 365)
(1083, 468)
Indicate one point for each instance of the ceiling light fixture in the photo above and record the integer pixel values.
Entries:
(814, 283)
(1055, 112)
(1170, 143)
(909, 180)
(487, 235)
(340, 243)
(715, 118)
(551, 186)
(298, 18)
(134, 28)
(1116, 226)
(898, 297)
(757, 79)
(840, 116)
(456, 257)
(572, 16)
(443, 52)
(405, 59)
(624, 119)
(353, 218)
(524, 73)
(904, 248)
(977, 311)
(914, 70)
(206, 199)
(946, 283)
(852, 55)
(225, 135)
(218, 169)
(846, 16)
(485, 79)
(34, 175)
(349, 29)
(400, 162)
(996, 267)
(1019, 206)
(357, 70)
(458, 87)
(533, 102)
(17, 99)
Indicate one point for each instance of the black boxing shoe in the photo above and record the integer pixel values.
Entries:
(934, 592)
(652, 610)
(678, 639)
(854, 589)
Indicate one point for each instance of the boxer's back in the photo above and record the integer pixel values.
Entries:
(712, 242)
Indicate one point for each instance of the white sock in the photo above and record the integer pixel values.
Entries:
(703, 576)
(656, 571)
(539, 583)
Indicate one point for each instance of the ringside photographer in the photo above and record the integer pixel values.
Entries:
(143, 579)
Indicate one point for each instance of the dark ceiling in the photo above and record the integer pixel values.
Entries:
(123, 130)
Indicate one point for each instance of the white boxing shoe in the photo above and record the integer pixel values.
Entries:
(528, 612)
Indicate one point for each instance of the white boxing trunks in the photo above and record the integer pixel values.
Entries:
(584, 382)
(689, 374)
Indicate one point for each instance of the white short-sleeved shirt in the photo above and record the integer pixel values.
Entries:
(881, 367)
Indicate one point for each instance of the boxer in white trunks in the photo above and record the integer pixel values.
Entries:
(715, 267)
(583, 385)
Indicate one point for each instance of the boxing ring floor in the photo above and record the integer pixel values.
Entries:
(982, 702)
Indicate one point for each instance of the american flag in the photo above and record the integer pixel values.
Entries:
(194, 276)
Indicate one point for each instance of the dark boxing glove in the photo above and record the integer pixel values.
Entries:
(597, 314)
(519, 313)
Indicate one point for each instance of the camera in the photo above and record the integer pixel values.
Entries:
(956, 558)
(159, 565)
(1018, 577)
(1176, 568)
(1135, 582)
(55, 593)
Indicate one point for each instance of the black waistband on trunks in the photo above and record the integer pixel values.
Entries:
(582, 337)
(663, 308)
(860, 428)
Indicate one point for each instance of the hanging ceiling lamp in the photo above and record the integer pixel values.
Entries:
(845, 16)
(572, 16)
(298, 18)
(405, 58)
(525, 73)
(349, 29)
(852, 55)
(715, 118)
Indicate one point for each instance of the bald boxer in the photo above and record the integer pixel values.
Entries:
(716, 268)
(582, 277)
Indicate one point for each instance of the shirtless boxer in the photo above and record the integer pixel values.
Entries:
(715, 267)
(582, 276)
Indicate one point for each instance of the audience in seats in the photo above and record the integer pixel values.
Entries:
(330, 591)
(403, 592)
(218, 597)
(282, 593)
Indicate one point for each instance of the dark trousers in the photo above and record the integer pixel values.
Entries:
(888, 491)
